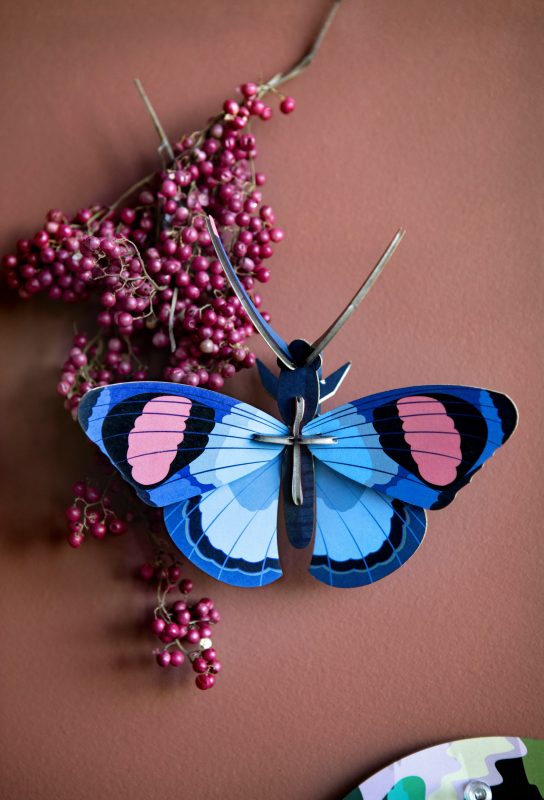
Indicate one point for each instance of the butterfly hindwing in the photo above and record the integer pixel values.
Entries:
(420, 444)
(361, 535)
(231, 532)
(173, 442)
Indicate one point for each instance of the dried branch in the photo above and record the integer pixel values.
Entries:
(305, 61)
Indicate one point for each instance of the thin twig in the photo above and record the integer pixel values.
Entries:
(165, 146)
(104, 214)
(304, 63)
(173, 344)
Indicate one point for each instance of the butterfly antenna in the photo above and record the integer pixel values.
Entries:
(320, 344)
(257, 321)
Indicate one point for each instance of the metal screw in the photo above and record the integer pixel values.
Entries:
(477, 790)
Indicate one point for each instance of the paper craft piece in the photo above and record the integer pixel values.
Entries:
(490, 768)
(359, 475)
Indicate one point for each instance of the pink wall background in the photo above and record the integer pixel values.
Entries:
(422, 114)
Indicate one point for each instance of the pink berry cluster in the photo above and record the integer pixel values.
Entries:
(145, 268)
(98, 362)
(91, 514)
(52, 260)
(183, 627)
(147, 262)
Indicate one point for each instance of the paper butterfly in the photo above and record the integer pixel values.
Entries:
(364, 471)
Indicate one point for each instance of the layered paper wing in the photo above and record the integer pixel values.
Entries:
(231, 532)
(361, 535)
(420, 444)
(174, 442)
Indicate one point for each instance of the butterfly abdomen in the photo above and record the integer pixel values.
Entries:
(299, 519)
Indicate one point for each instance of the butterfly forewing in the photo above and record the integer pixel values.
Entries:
(420, 444)
(174, 442)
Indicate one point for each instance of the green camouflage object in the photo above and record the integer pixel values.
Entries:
(512, 768)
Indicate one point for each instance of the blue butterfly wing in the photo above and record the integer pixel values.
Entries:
(419, 445)
(173, 442)
(361, 535)
(231, 532)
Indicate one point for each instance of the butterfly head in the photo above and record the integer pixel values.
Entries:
(300, 350)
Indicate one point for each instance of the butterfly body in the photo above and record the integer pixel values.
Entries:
(355, 479)
(301, 382)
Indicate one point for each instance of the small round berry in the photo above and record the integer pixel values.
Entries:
(172, 630)
(186, 586)
(73, 514)
(117, 527)
(128, 215)
(146, 572)
(183, 616)
(207, 346)
(249, 89)
(176, 658)
(98, 530)
(158, 625)
(200, 665)
(76, 539)
(257, 107)
(108, 299)
(193, 636)
(205, 681)
(231, 107)
(201, 610)
(174, 573)
(215, 381)
(287, 105)
(164, 658)
(92, 495)
(169, 188)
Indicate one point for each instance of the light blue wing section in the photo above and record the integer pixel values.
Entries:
(231, 532)
(216, 445)
(361, 535)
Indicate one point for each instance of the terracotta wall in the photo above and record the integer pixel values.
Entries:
(422, 114)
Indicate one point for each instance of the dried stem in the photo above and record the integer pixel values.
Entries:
(165, 147)
(105, 213)
(271, 85)
(304, 63)
(171, 336)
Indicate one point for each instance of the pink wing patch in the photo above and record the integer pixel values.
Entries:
(434, 441)
(155, 437)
